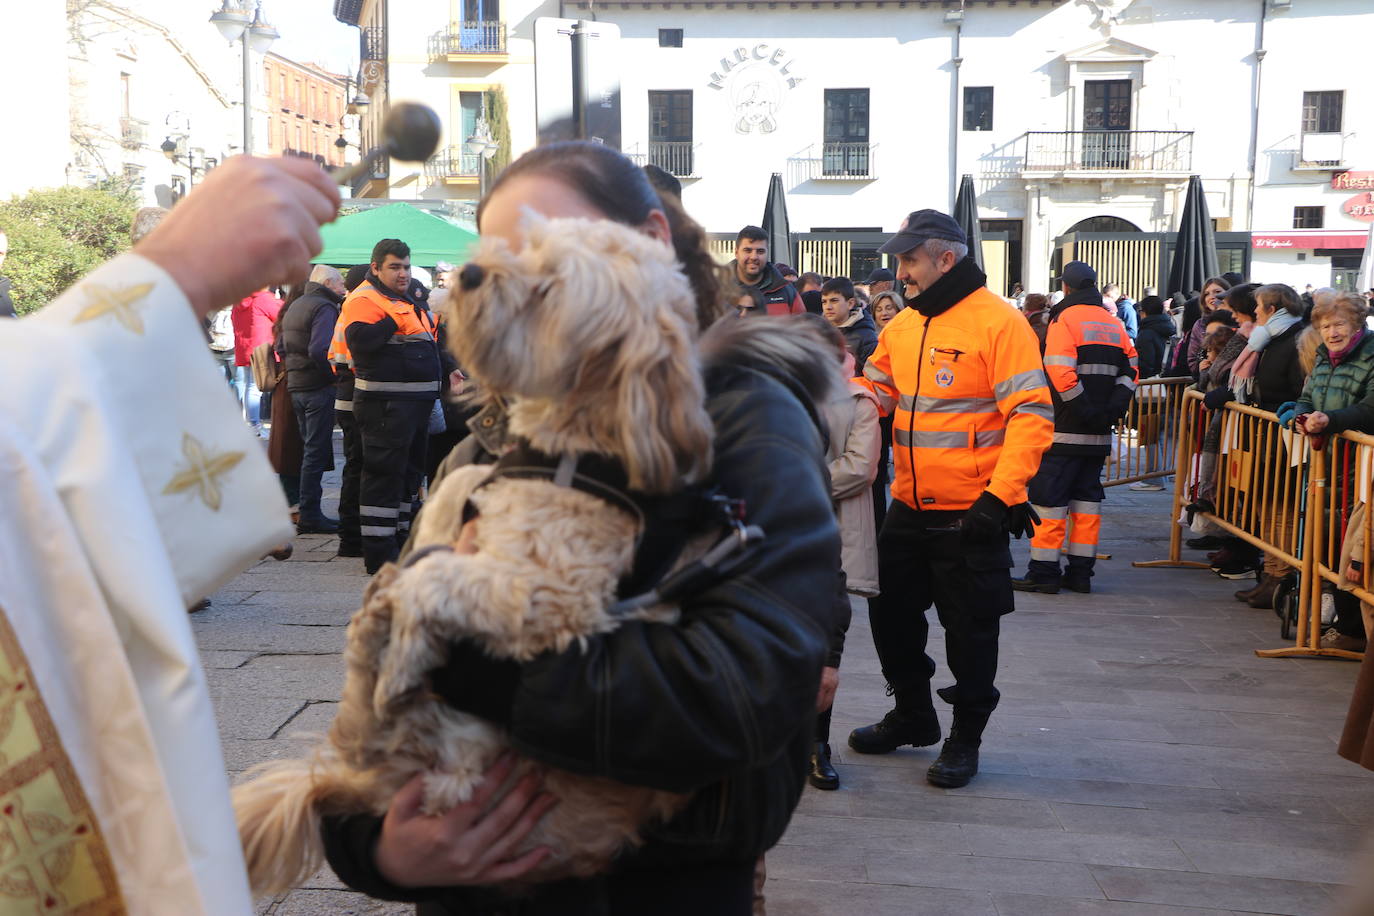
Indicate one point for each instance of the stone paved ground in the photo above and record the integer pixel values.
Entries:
(1143, 761)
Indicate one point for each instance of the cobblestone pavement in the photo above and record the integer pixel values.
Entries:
(1143, 761)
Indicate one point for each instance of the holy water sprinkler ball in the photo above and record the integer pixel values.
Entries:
(412, 131)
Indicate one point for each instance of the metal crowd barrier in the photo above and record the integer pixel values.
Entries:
(1143, 441)
(1274, 489)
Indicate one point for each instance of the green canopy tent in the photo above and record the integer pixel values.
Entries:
(349, 239)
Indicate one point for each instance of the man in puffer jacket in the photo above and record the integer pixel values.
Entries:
(842, 309)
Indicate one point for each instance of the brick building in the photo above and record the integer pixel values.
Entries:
(305, 109)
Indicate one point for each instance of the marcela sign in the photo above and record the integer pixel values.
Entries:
(758, 79)
(1353, 181)
(1360, 207)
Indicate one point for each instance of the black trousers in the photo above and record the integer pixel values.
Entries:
(352, 476)
(922, 561)
(394, 434)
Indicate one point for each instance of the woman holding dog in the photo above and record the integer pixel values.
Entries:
(720, 705)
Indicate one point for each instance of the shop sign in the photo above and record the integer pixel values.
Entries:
(757, 79)
(1353, 181)
(1306, 242)
(1360, 207)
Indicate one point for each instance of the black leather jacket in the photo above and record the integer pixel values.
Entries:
(721, 704)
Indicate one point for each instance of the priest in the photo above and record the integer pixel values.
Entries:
(115, 519)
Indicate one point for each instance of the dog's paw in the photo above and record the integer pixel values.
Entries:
(445, 791)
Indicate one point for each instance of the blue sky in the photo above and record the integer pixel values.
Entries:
(310, 33)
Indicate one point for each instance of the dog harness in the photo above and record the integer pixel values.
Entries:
(665, 522)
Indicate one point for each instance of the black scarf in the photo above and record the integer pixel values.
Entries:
(963, 279)
(1089, 295)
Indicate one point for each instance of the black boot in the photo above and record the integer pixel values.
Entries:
(958, 760)
(823, 775)
(895, 730)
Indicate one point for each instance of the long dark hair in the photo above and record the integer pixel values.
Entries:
(617, 187)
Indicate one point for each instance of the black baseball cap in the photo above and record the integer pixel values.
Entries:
(922, 226)
(1078, 275)
(880, 275)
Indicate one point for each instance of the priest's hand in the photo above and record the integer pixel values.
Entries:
(252, 223)
(465, 846)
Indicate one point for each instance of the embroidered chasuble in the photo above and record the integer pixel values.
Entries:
(130, 488)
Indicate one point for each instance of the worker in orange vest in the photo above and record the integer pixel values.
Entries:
(1093, 369)
(391, 339)
(959, 371)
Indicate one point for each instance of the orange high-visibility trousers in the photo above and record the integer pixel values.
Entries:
(1067, 494)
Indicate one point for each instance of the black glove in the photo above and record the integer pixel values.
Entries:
(474, 682)
(1022, 519)
(985, 522)
(1217, 398)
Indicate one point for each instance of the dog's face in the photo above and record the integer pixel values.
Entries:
(553, 317)
(595, 320)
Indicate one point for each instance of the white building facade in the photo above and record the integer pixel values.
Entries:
(111, 83)
(1080, 122)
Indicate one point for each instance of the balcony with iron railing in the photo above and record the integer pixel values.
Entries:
(305, 154)
(454, 165)
(380, 171)
(1167, 152)
(133, 133)
(372, 43)
(836, 162)
(482, 39)
(676, 157)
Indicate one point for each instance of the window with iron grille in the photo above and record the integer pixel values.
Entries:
(977, 108)
(670, 38)
(1322, 112)
(846, 150)
(1309, 217)
(670, 130)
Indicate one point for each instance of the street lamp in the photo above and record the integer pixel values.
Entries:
(171, 148)
(481, 145)
(256, 35)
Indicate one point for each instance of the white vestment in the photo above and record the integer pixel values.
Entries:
(130, 488)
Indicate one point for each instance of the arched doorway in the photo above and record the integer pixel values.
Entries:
(1103, 224)
(1118, 249)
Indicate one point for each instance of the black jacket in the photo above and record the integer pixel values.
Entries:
(6, 305)
(721, 704)
(862, 338)
(1152, 343)
(385, 365)
(306, 331)
(1279, 376)
(779, 296)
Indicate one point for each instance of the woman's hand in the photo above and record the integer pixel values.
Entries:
(830, 682)
(1315, 422)
(464, 846)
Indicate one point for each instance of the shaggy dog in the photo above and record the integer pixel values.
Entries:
(588, 336)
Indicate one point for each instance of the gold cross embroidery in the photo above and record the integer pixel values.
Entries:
(104, 300)
(204, 472)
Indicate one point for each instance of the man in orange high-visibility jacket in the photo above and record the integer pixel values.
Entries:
(959, 371)
(1092, 367)
(397, 366)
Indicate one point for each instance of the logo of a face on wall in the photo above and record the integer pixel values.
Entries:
(758, 80)
(756, 94)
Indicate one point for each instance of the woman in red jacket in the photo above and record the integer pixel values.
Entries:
(253, 318)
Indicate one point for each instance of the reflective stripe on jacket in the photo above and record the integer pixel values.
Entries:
(970, 405)
(1093, 369)
(391, 343)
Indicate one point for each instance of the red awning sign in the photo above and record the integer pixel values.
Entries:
(1353, 181)
(1360, 207)
(1307, 242)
